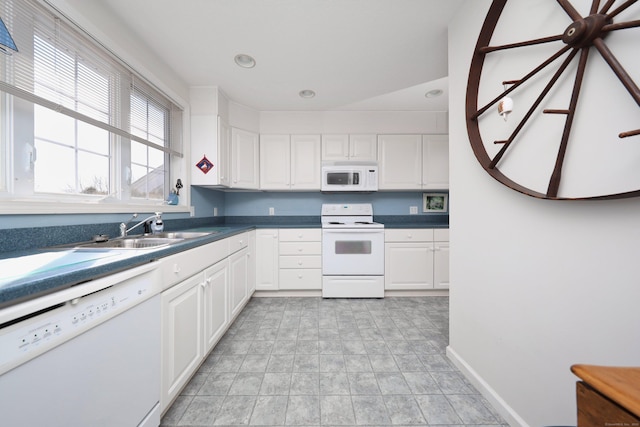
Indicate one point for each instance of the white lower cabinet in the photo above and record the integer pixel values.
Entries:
(239, 289)
(300, 259)
(441, 258)
(197, 311)
(216, 303)
(267, 255)
(415, 261)
(181, 327)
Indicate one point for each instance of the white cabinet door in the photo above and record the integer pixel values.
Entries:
(267, 260)
(441, 265)
(408, 266)
(224, 153)
(335, 147)
(305, 162)
(181, 336)
(435, 162)
(245, 159)
(363, 147)
(349, 147)
(238, 280)
(275, 162)
(210, 139)
(400, 162)
(216, 303)
(251, 264)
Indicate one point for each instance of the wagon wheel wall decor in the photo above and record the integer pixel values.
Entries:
(564, 74)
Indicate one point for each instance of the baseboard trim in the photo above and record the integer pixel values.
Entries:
(486, 390)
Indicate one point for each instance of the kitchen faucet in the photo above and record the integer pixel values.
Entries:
(123, 226)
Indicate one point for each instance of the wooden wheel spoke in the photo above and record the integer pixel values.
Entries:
(621, 8)
(607, 6)
(520, 82)
(569, 9)
(629, 133)
(594, 7)
(621, 25)
(618, 69)
(487, 49)
(554, 182)
(533, 107)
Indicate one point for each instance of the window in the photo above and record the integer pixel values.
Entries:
(73, 157)
(79, 125)
(148, 121)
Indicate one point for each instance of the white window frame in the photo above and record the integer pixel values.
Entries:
(18, 200)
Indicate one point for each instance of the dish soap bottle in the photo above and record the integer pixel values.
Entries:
(173, 198)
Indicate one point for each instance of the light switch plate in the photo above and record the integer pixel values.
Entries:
(272, 211)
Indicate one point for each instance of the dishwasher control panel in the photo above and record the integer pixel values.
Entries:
(33, 336)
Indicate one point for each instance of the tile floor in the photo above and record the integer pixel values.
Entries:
(333, 362)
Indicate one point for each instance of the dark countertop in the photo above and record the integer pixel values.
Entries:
(29, 274)
(33, 272)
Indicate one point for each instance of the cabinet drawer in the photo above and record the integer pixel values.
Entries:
(301, 279)
(300, 248)
(408, 235)
(237, 242)
(300, 235)
(440, 234)
(180, 266)
(303, 261)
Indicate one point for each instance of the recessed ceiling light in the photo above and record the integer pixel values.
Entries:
(307, 93)
(245, 61)
(433, 93)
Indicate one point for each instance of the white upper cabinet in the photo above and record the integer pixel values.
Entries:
(400, 162)
(363, 147)
(244, 159)
(435, 162)
(210, 138)
(275, 162)
(413, 162)
(305, 162)
(290, 162)
(349, 147)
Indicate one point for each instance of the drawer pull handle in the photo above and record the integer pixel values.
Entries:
(176, 268)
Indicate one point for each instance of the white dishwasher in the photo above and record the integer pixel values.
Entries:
(85, 356)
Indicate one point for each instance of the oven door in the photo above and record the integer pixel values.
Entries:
(353, 252)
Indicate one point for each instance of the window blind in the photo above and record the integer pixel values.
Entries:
(63, 69)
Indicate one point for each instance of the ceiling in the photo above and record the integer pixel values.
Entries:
(355, 54)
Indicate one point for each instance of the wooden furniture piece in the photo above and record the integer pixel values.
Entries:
(607, 396)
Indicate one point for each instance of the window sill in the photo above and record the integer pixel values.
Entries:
(38, 207)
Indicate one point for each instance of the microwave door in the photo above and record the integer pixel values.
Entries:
(338, 178)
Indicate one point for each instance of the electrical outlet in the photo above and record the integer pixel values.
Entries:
(192, 211)
(272, 211)
(413, 210)
(215, 211)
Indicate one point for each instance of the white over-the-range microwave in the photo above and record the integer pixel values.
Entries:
(349, 176)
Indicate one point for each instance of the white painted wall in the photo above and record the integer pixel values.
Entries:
(536, 285)
(353, 122)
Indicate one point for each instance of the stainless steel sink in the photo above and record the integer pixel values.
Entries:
(147, 241)
(181, 234)
(126, 243)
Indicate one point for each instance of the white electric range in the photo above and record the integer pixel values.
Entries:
(352, 252)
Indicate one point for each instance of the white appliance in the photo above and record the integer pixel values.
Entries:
(352, 252)
(92, 358)
(349, 176)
